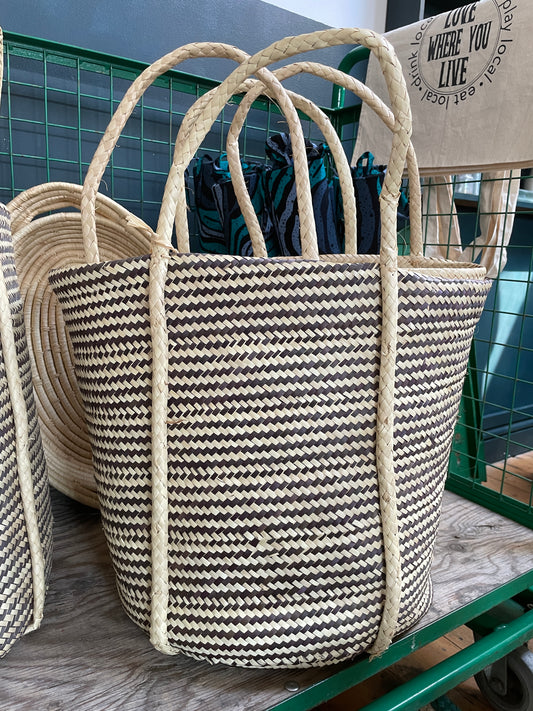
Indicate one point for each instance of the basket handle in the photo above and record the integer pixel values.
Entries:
(187, 144)
(369, 97)
(253, 89)
(21, 431)
(332, 139)
(191, 136)
(125, 108)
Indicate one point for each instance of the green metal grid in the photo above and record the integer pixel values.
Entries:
(58, 100)
(491, 460)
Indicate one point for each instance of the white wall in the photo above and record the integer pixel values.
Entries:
(369, 14)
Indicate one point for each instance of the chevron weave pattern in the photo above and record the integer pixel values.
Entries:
(275, 550)
(270, 436)
(25, 513)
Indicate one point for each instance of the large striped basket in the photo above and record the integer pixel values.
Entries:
(270, 436)
(25, 512)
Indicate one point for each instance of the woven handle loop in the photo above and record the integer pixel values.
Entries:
(374, 102)
(252, 90)
(118, 121)
(191, 136)
(125, 109)
(332, 140)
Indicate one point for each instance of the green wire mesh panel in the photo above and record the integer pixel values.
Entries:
(57, 102)
(492, 459)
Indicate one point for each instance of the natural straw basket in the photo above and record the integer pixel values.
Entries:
(54, 241)
(25, 512)
(42, 243)
(266, 498)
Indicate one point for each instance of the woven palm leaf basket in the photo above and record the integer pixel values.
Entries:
(270, 436)
(41, 242)
(25, 511)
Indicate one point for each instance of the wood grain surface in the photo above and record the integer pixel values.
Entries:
(89, 656)
(513, 477)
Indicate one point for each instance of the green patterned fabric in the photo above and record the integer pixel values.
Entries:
(220, 224)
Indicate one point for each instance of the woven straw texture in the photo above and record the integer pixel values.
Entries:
(43, 242)
(270, 436)
(25, 512)
(275, 551)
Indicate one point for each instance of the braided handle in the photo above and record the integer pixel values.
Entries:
(253, 89)
(376, 104)
(125, 108)
(118, 121)
(332, 139)
(192, 137)
(336, 76)
(21, 436)
(176, 179)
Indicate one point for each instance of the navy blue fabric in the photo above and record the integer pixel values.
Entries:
(280, 189)
(367, 181)
(220, 224)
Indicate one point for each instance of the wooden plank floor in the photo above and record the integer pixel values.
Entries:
(513, 478)
(88, 656)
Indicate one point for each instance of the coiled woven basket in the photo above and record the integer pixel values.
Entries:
(42, 242)
(270, 436)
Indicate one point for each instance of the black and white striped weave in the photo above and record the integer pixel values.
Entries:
(17, 578)
(275, 546)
